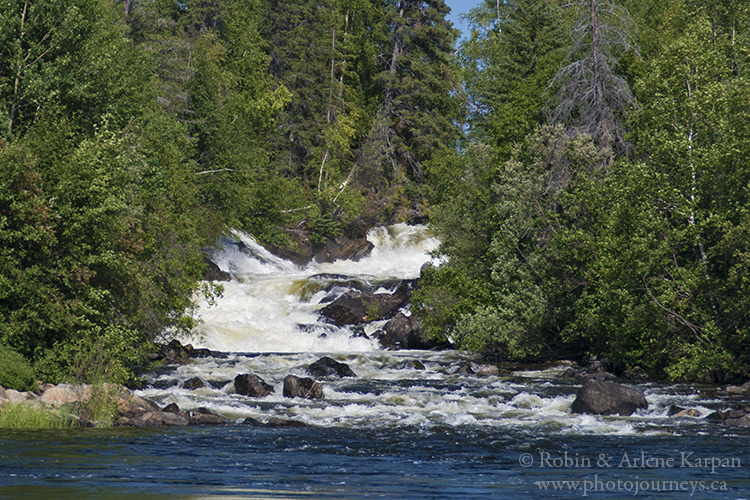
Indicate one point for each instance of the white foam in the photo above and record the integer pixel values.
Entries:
(271, 306)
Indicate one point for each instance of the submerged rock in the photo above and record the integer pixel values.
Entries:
(689, 412)
(608, 398)
(411, 364)
(154, 419)
(295, 387)
(252, 421)
(193, 383)
(284, 422)
(251, 385)
(327, 366)
(743, 421)
(738, 389)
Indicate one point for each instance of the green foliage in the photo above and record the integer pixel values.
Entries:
(560, 251)
(514, 50)
(95, 356)
(96, 234)
(130, 140)
(418, 113)
(15, 371)
(100, 406)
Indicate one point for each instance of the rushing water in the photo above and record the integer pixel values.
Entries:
(394, 431)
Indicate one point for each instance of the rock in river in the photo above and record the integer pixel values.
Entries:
(608, 398)
(251, 385)
(295, 387)
(327, 366)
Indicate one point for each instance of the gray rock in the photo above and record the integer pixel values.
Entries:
(204, 416)
(743, 421)
(131, 406)
(251, 421)
(355, 307)
(154, 419)
(193, 383)
(251, 385)
(406, 332)
(295, 387)
(411, 364)
(327, 366)
(214, 272)
(283, 422)
(608, 398)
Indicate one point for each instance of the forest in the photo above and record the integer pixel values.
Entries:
(585, 164)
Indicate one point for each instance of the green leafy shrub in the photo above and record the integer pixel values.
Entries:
(15, 371)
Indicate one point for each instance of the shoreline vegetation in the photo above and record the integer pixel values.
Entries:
(102, 405)
(135, 135)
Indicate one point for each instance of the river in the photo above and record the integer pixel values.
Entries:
(400, 429)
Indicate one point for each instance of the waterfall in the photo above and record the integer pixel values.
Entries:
(271, 305)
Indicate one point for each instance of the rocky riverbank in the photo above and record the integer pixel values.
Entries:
(599, 395)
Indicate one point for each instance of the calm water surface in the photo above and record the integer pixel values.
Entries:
(248, 462)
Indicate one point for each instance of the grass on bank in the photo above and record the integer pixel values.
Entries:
(33, 416)
(98, 409)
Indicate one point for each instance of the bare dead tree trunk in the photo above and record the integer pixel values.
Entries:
(331, 112)
(596, 57)
(589, 97)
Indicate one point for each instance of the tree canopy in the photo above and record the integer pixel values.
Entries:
(584, 164)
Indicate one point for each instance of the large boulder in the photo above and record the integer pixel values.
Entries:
(343, 248)
(14, 397)
(355, 307)
(608, 398)
(295, 387)
(63, 394)
(193, 383)
(405, 332)
(131, 406)
(326, 366)
(251, 385)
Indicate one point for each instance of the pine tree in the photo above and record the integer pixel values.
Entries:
(514, 50)
(418, 113)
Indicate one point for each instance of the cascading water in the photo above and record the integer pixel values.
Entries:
(409, 425)
(268, 324)
(272, 305)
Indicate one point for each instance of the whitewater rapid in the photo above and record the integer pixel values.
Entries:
(267, 323)
(271, 305)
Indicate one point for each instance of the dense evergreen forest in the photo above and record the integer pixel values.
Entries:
(585, 164)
